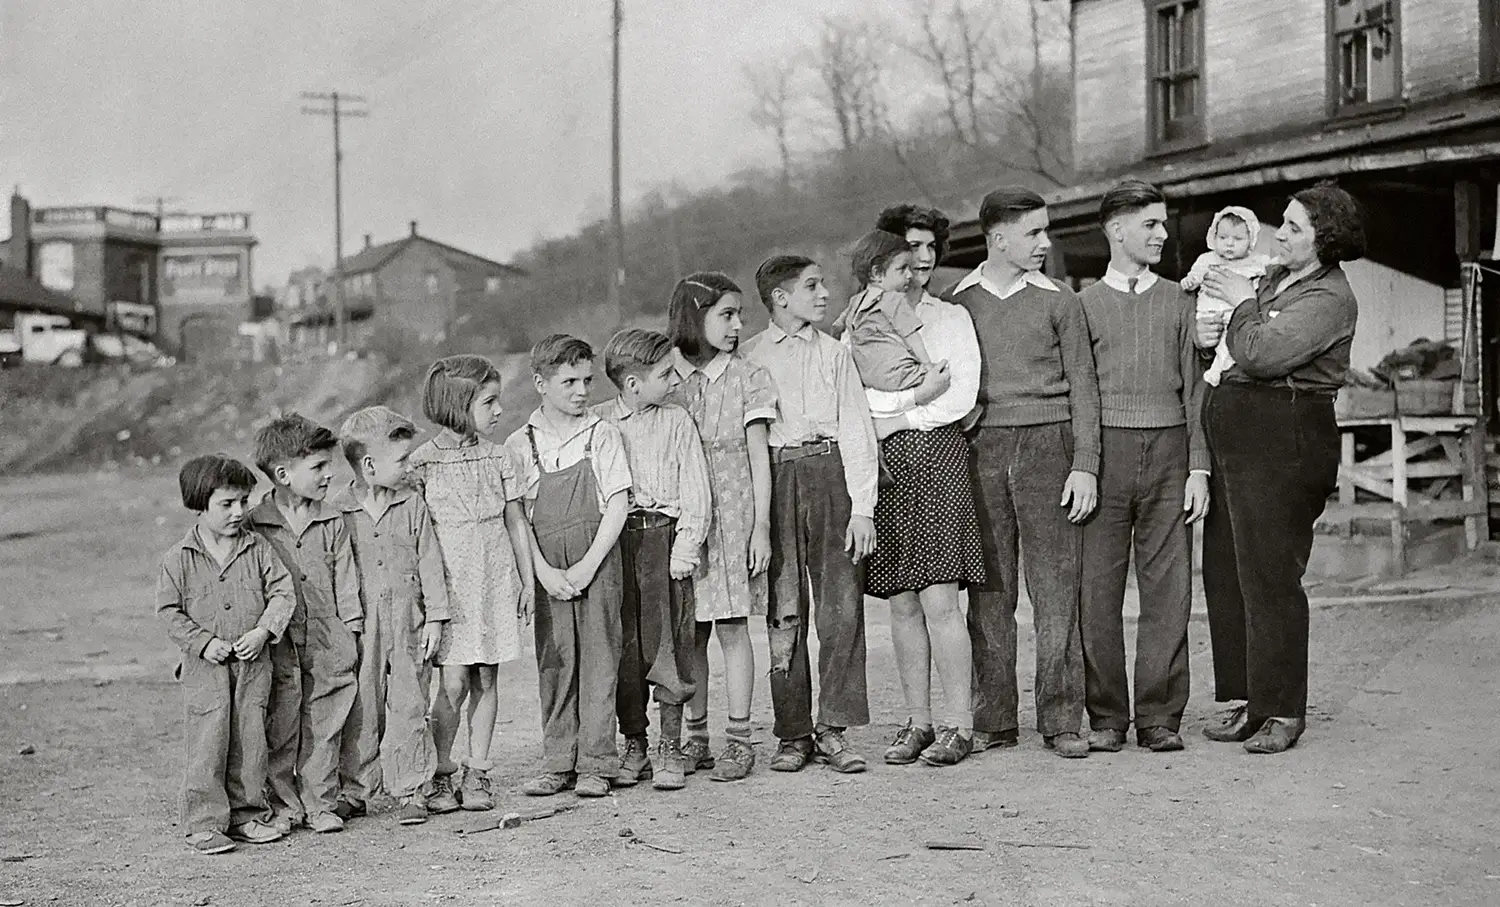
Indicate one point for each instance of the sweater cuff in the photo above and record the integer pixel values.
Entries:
(1199, 461)
(1086, 461)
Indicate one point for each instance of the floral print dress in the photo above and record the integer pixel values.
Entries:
(723, 397)
(466, 487)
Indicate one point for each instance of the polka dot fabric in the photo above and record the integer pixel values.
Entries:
(926, 530)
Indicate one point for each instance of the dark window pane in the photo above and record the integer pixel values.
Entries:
(1187, 51)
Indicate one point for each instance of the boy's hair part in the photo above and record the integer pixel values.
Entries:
(693, 296)
(449, 390)
(557, 350)
(898, 219)
(201, 476)
(290, 437)
(1007, 205)
(1127, 197)
(873, 253)
(634, 351)
(776, 272)
(371, 426)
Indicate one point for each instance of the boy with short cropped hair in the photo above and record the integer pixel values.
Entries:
(823, 483)
(664, 533)
(406, 607)
(577, 481)
(1036, 463)
(313, 689)
(223, 594)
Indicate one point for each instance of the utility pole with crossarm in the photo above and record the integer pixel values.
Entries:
(337, 111)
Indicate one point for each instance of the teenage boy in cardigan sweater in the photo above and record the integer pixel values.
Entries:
(1153, 479)
(1038, 441)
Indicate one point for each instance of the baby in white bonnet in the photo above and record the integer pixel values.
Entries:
(1231, 245)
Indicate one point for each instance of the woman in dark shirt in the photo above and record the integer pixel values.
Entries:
(1275, 450)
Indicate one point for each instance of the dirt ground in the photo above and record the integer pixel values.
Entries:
(1390, 798)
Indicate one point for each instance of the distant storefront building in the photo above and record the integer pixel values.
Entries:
(182, 280)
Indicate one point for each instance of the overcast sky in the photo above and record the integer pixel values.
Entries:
(489, 119)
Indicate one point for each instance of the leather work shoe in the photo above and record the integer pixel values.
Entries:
(254, 832)
(1106, 740)
(325, 823)
(350, 809)
(1159, 739)
(635, 763)
(831, 748)
(735, 762)
(672, 773)
(474, 790)
(909, 743)
(792, 755)
(1276, 735)
(986, 740)
(549, 783)
(591, 786)
(413, 811)
(950, 748)
(1233, 727)
(442, 796)
(1068, 745)
(696, 755)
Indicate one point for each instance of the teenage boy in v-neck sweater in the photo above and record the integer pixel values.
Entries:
(1153, 479)
(1036, 456)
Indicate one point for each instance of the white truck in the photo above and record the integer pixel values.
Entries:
(43, 339)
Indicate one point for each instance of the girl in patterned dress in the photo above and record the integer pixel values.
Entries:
(732, 402)
(470, 485)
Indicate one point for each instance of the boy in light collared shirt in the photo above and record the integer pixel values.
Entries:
(824, 476)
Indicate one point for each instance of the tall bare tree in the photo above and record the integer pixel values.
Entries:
(773, 92)
(849, 68)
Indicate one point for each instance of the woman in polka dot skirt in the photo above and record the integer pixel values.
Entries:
(927, 531)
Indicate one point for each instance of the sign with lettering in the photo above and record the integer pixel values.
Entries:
(66, 215)
(200, 274)
(55, 266)
(211, 223)
(135, 220)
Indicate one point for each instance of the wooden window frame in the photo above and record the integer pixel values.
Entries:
(1337, 108)
(1489, 42)
(1195, 130)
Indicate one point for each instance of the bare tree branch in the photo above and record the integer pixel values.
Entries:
(773, 90)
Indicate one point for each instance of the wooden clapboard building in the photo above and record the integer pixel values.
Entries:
(1224, 102)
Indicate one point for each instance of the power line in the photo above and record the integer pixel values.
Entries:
(337, 113)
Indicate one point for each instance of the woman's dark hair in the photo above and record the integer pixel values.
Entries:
(1338, 222)
(693, 296)
(873, 253)
(898, 219)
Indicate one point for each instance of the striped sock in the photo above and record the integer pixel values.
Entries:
(739, 729)
(697, 728)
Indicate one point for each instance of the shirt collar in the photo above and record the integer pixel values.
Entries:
(713, 370)
(348, 500)
(269, 513)
(539, 422)
(806, 332)
(979, 278)
(616, 409)
(193, 541)
(1117, 280)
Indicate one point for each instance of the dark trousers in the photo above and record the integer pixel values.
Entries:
(1019, 473)
(1275, 462)
(656, 618)
(1142, 479)
(809, 516)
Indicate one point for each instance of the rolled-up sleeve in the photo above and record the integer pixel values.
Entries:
(856, 434)
(280, 594)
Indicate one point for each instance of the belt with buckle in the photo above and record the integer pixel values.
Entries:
(647, 519)
(810, 449)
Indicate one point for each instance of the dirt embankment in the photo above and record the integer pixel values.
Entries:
(55, 420)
